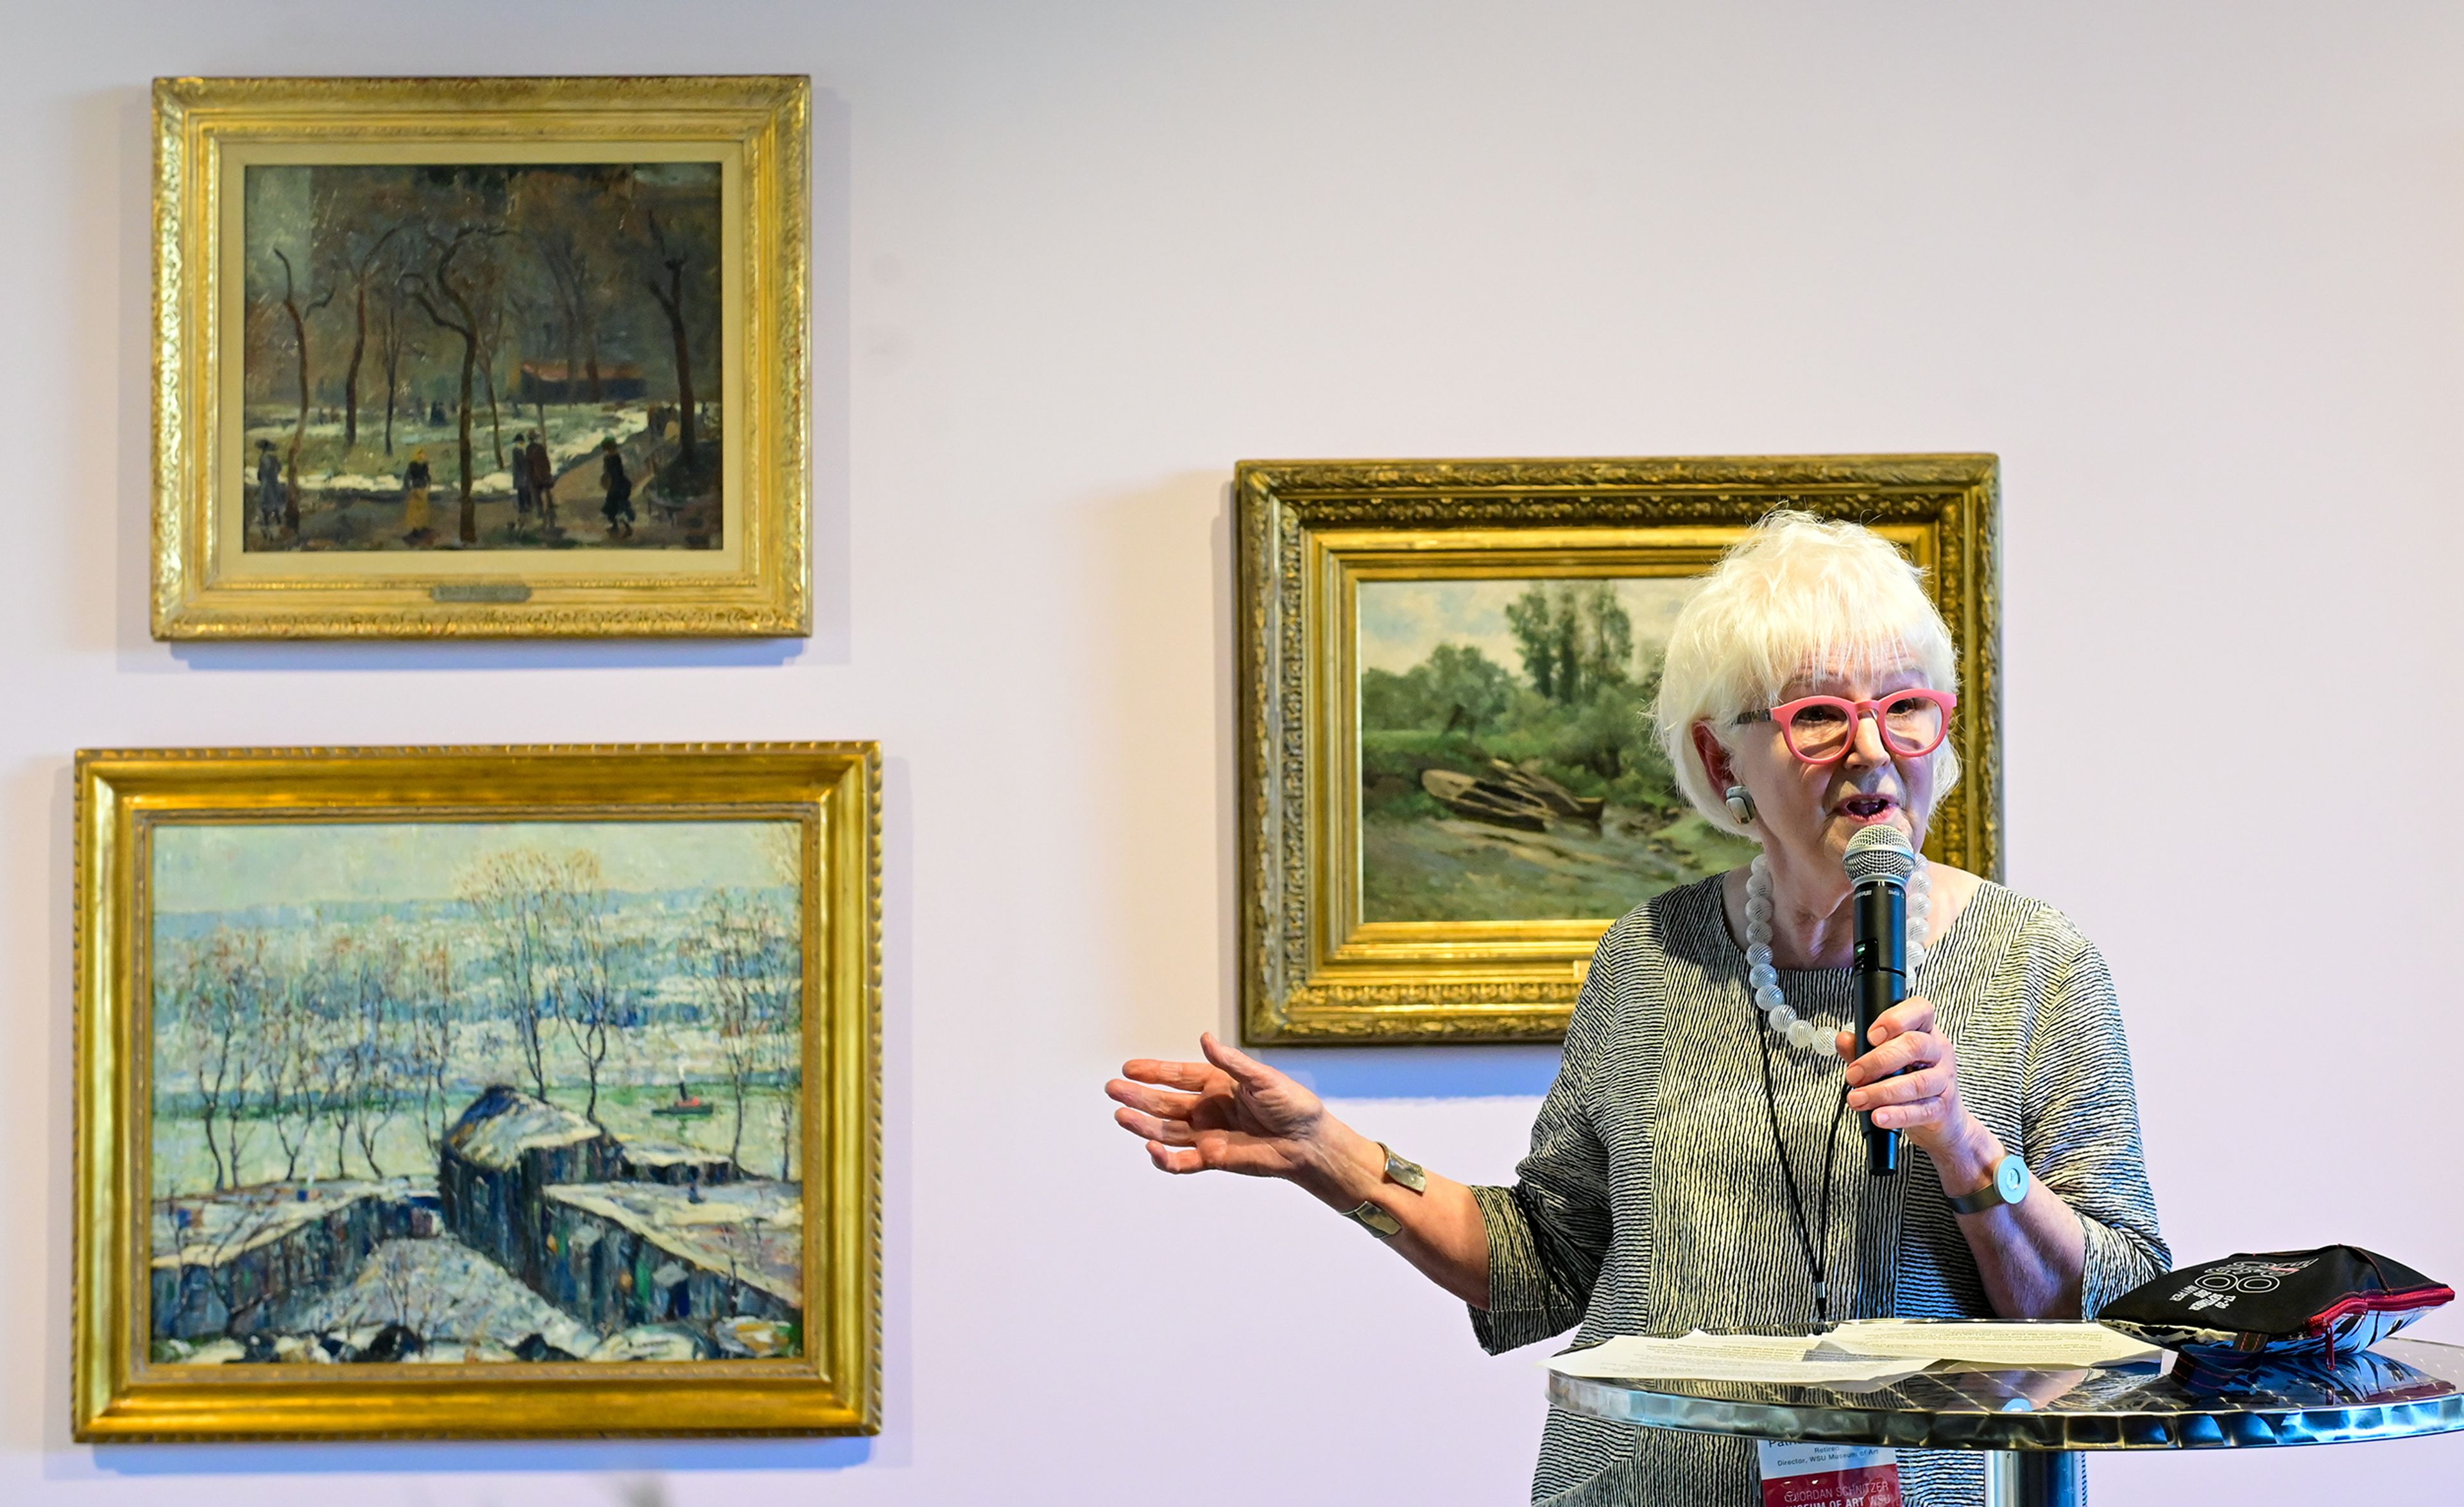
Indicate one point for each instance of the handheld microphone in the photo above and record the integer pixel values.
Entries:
(1879, 863)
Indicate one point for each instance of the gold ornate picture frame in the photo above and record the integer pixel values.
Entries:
(487, 358)
(477, 1092)
(1448, 790)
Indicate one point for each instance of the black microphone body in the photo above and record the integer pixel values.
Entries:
(1882, 970)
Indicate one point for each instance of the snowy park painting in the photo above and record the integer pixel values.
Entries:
(476, 1091)
(485, 358)
(482, 357)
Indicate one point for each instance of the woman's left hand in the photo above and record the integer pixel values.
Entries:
(1922, 1101)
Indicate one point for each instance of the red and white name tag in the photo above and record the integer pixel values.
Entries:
(1799, 1474)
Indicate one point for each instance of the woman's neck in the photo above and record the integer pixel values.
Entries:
(1814, 926)
(1814, 919)
(1812, 923)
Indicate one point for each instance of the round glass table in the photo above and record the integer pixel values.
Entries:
(2031, 1425)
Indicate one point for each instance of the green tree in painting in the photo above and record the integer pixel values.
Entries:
(1574, 639)
(1456, 688)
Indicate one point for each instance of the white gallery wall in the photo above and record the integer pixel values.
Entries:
(2195, 272)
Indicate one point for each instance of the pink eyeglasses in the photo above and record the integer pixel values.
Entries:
(1819, 729)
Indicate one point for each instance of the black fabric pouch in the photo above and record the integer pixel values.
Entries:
(2339, 1298)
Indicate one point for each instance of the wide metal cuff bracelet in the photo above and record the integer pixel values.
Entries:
(1377, 1221)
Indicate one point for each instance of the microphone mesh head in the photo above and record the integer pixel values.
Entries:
(1879, 852)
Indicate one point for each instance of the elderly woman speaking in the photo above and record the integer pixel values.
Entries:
(1684, 1169)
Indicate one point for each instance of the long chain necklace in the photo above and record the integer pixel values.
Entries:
(1817, 1251)
(1807, 1037)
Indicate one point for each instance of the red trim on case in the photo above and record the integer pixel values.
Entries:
(2325, 1323)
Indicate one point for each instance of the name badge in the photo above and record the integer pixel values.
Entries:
(1799, 1475)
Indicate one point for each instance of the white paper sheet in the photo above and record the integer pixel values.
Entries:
(1701, 1357)
(2016, 1345)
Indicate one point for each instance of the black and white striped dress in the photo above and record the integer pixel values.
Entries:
(1652, 1203)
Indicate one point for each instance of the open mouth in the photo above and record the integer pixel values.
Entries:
(1867, 808)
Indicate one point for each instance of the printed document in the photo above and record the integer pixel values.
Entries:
(1701, 1357)
(2015, 1344)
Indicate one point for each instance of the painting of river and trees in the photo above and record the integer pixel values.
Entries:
(455, 1091)
(472, 357)
(1507, 767)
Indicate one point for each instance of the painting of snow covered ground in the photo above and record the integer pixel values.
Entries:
(472, 1091)
(517, 356)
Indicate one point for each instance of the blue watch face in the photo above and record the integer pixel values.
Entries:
(2010, 1179)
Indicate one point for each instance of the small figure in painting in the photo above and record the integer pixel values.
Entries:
(415, 482)
(523, 495)
(618, 508)
(543, 475)
(269, 487)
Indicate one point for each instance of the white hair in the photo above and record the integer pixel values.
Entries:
(1798, 595)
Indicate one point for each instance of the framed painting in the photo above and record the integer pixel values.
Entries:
(1448, 783)
(480, 356)
(477, 1092)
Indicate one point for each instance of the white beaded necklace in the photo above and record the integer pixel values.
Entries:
(1764, 979)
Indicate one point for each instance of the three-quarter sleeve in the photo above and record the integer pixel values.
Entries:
(1549, 1233)
(2080, 1126)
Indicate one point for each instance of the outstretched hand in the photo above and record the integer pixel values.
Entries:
(1230, 1113)
(1233, 1113)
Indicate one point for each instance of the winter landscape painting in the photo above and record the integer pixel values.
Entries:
(482, 357)
(451, 1091)
(1507, 767)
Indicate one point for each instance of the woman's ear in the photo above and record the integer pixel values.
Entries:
(1715, 757)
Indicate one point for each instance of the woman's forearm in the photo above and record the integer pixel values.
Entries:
(1443, 1234)
(2031, 1255)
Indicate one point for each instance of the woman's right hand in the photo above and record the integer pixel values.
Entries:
(1230, 1113)
(1233, 1113)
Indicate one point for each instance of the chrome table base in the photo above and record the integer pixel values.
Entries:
(2035, 1479)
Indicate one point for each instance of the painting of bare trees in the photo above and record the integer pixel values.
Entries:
(474, 1091)
(475, 356)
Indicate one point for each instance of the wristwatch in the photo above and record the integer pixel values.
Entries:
(1377, 1221)
(2010, 1185)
